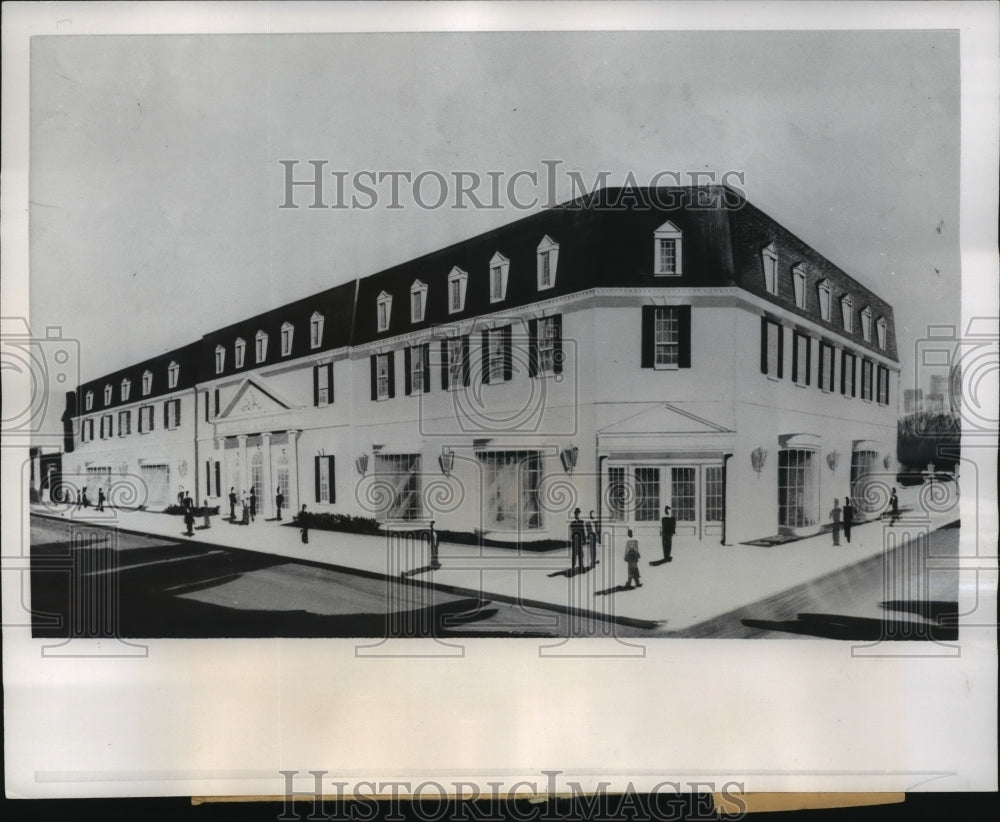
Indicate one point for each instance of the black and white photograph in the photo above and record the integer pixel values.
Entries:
(583, 341)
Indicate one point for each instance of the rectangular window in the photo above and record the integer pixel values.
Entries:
(383, 376)
(511, 484)
(682, 493)
(545, 280)
(647, 494)
(145, 419)
(456, 355)
(867, 372)
(124, 423)
(713, 493)
(455, 295)
(497, 356)
(772, 355)
(667, 256)
(666, 335)
(240, 350)
(617, 493)
(883, 385)
(106, 427)
(826, 366)
(417, 306)
(545, 346)
(495, 366)
(287, 330)
(172, 413)
(796, 488)
(324, 471)
(323, 384)
(496, 283)
(383, 316)
(89, 428)
(801, 358)
(401, 474)
(847, 385)
(417, 369)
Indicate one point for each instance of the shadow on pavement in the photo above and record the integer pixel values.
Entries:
(862, 629)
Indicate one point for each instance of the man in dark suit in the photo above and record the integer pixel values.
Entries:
(668, 525)
(279, 500)
(304, 523)
(577, 534)
(232, 504)
(253, 504)
(434, 544)
(848, 518)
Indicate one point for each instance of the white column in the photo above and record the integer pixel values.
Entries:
(241, 467)
(268, 495)
(293, 473)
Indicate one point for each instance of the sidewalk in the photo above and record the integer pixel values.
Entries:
(702, 581)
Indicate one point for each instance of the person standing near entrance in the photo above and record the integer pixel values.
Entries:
(632, 560)
(435, 542)
(279, 500)
(668, 525)
(246, 510)
(232, 504)
(253, 504)
(207, 523)
(893, 507)
(100, 499)
(577, 533)
(835, 521)
(304, 524)
(848, 519)
(593, 537)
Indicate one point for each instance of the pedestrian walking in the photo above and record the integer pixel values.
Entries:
(232, 504)
(246, 511)
(434, 542)
(577, 533)
(304, 524)
(893, 507)
(86, 502)
(835, 521)
(100, 499)
(848, 519)
(593, 537)
(668, 525)
(207, 514)
(279, 500)
(632, 561)
(253, 504)
(189, 521)
(79, 498)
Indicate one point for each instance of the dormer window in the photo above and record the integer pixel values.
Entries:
(499, 268)
(548, 259)
(287, 330)
(880, 331)
(457, 281)
(126, 389)
(239, 352)
(147, 383)
(316, 330)
(89, 401)
(107, 395)
(799, 286)
(173, 372)
(667, 262)
(384, 310)
(418, 301)
(769, 256)
(220, 360)
(866, 324)
(261, 349)
(823, 292)
(847, 312)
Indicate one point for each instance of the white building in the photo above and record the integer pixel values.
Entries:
(617, 354)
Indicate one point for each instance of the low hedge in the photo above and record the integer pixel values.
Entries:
(177, 510)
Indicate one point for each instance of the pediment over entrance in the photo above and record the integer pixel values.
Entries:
(254, 400)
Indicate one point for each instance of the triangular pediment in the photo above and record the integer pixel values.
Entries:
(254, 399)
(666, 418)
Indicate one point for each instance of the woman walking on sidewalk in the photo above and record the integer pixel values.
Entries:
(246, 511)
(207, 514)
(632, 560)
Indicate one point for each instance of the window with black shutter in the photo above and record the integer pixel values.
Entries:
(666, 336)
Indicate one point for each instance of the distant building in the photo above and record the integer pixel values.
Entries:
(678, 349)
(913, 400)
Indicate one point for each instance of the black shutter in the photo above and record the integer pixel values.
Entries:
(684, 336)
(177, 409)
(557, 348)
(207, 414)
(316, 470)
(648, 338)
(427, 367)
(374, 363)
(809, 351)
(392, 373)
(532, 348)
(854, 376)
(407, 382)
(332, 478)
(843, 373)
(466, 361)
(444, 365)
(329, 383)
(763, 345)
(486, 355)
(795, 356)
(218, 479)
(166, 414)
(888, 384)
(316, 384)
(508, 353)
(216, 402)
(208, 478)
(781, 350)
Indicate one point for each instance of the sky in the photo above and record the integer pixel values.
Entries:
(156, 183)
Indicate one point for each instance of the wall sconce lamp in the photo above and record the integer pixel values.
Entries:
(361, 463)
(568, 457)
(832, 459)
(757, 459)
(447, 461)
